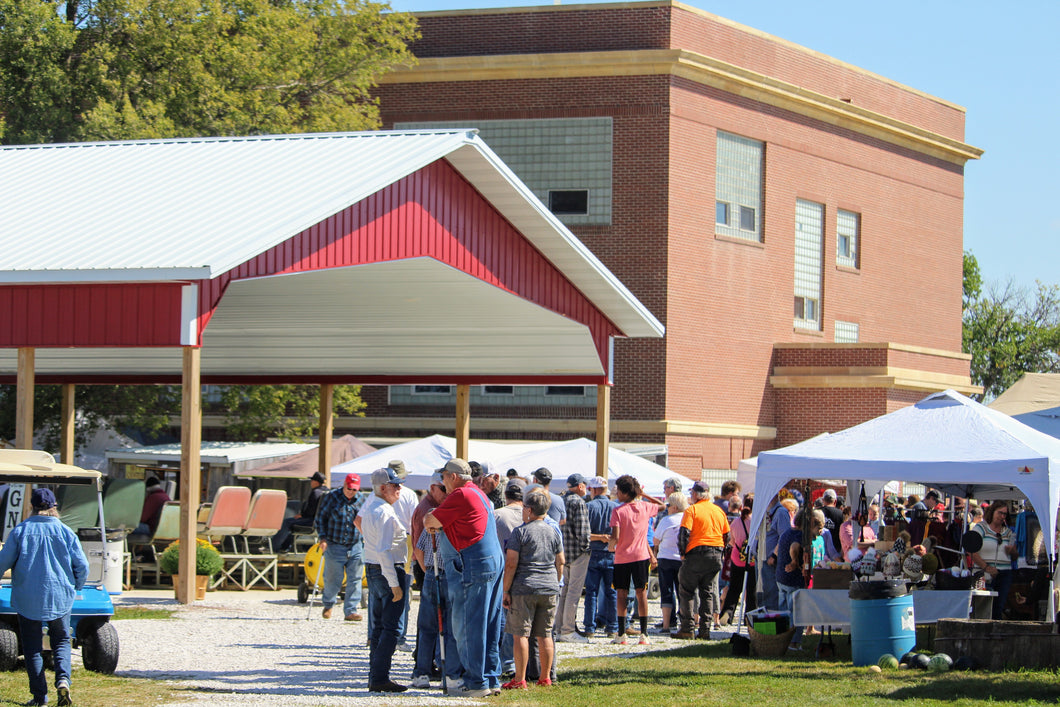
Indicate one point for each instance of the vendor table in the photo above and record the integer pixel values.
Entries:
(831, 607)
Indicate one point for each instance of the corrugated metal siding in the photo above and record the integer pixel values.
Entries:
(90, 315)
(434, 213)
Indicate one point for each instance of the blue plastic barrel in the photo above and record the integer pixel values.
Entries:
(880, 626)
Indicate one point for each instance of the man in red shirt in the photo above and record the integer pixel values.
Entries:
(474, 569)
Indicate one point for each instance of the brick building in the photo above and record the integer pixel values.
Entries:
(794, 221)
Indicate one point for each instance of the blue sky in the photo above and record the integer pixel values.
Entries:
(998, 60)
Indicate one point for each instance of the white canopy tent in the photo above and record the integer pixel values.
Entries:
(946, 441)
(1047, 421)
(423, 456)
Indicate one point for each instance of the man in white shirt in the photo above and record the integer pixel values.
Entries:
(385, 553)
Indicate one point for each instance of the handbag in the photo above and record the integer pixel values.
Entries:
(742, 551)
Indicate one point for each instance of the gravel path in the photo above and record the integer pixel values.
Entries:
(258, 647)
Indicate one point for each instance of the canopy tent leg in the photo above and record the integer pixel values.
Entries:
(190, 463)
(324, 427)
(25, 382)
(603, 428)
(463, 419)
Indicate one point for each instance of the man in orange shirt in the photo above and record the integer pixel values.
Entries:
(702, 537)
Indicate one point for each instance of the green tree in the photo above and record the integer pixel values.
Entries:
(141, 69)
(1009, 330)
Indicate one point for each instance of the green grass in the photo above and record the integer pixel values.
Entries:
(94, 690)
(141, 612)
(708, 674)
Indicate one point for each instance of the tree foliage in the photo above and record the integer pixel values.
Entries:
(1009, 330)
(132, 69)
(143, 69)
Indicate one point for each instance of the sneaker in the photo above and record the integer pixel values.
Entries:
(466, 691)
(619, 641)
(420, 682)
(404, 647)
(514, 685)
(630, 631)
(571, 638)
(388, 686)
(453, 686)
(644, 641)
(545, 682)
(63, 688)
(354, 617)
(327, 612)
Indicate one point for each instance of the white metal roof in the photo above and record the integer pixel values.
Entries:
(218, 453)
(194, 208)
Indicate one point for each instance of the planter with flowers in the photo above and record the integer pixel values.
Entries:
(208, 562)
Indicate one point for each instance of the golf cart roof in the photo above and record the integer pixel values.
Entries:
(21, 466)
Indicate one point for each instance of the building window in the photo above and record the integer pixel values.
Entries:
(498, 390)
(738, 186)
(432, 389)
(848, 232)
(578, 390)
(572, 201)
(569, 157)
(846, 332)
(809, 239)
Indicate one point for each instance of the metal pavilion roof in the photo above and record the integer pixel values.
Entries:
(216, 216)
(194, 208)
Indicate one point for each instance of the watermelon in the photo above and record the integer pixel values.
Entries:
(921, 661)
(887, 662)
(908, 658)
(939, 663)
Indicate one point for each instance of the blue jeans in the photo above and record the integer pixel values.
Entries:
(785, 592)
(601, 574)
(668, 570)
(339, 559)
(281, 540)
(32, 643)
(427, 631)
(386, 615)
(1000, 584)
(770, 598)
(474, 577)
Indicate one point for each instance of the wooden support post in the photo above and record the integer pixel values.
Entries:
(24, 390)
(66, 432)
(24, 381)
(603, 428)
(190, 463)
(463, 420)
(326, 422)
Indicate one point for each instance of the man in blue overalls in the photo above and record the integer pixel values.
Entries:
(474, 566)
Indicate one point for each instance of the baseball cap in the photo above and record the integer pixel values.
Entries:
(385, 476)
(939, 507)
(543, 475)
(514, 489)
(457, 466)
(436, 478)
(42, 499)
(597, 482)
(701, 487)
(353, 481)
(575, 479)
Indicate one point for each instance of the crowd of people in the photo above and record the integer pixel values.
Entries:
(501, 565)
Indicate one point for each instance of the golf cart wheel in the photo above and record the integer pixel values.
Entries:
(303, 592)
(654, 592)
(8, 648)
(99, 648)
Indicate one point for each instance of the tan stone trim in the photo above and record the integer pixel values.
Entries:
(942, 353)
(579, 427)
(869, 377)
(695, 11)
(694, 67)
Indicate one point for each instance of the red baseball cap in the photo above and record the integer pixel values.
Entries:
(353, 482)
(939, 507)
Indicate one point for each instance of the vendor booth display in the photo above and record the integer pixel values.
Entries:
(946, 441)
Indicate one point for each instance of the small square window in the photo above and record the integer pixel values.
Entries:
(565, 390)
(747, 218)
(806, 309)
(721, 213)
(572, 201)
(432, 389)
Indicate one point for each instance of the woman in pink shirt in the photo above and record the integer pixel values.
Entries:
(633, 554)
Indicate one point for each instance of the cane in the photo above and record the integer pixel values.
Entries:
(316, 586)
(438, 604)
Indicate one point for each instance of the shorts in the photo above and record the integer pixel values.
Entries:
(637, 571)
(531, 615)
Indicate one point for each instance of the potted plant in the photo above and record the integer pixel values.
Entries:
(208, 562)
